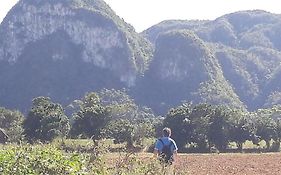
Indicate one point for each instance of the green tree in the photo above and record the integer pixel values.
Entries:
(276, 115)
(268, 126)
(91, 119)
(218, 128)
(265, 126)
(241, 128)
(119, 103)
(144, 129)
(121, 131)
(178, 120)
(11, 121)
(124, 112)
(200, 117)
(45, 121)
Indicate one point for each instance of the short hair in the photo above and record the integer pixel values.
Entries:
(167, 132)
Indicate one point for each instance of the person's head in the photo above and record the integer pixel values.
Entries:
(167, 132)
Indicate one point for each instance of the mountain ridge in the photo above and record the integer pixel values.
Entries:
(110, 46)
(66, 48)
(247, 45)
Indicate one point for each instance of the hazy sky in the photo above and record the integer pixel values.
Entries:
(145, 13)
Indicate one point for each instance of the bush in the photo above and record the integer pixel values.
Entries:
(47, 159)
(35, 160)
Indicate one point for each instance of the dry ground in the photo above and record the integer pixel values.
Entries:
(223, 164)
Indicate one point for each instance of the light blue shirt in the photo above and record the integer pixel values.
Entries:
(166, 140)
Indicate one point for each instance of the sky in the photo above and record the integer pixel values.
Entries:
(142, 14)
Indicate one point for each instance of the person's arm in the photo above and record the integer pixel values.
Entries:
(175, 155)
(156, 149)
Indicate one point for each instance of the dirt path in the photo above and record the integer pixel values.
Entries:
(223, 164)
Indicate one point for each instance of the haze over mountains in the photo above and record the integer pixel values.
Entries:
(65, 48)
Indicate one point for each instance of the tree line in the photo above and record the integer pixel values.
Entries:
(113, 114)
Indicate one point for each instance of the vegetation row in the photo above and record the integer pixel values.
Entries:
(112, 114)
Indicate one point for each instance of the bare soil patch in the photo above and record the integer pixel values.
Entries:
(223, 164)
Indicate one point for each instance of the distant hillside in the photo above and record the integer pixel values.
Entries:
(247, 47)
(184, 69)
(65, 48)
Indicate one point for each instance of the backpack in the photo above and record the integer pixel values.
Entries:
(166, 154)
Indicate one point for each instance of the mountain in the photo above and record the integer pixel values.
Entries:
(184, 68)
(65, 48)
(246, 45)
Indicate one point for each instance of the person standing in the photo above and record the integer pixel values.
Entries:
(166, 148)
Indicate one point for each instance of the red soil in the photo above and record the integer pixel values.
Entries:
(223, 164)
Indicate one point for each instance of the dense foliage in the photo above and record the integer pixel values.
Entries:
(102, 116)
(129, 122)
(112, 114)
(11, 121)
(91, 118)
(202, 127)
(39, 160)
(45, 121)
(47, 159)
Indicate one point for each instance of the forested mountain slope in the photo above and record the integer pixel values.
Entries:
(247, 47)
(65, 48)
(184, 68)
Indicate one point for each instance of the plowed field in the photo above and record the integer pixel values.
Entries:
(223, 164)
